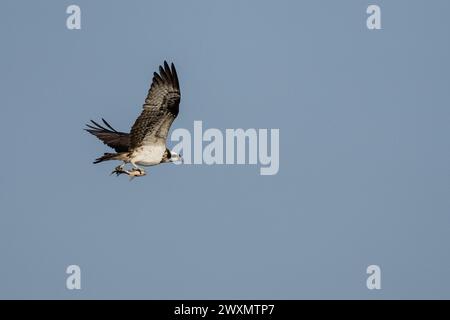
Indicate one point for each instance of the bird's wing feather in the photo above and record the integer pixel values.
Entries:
(119, 141)
(161, 107)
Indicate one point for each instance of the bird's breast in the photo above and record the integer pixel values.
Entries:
(148, 155)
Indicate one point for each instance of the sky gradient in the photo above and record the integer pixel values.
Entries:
(364, 150)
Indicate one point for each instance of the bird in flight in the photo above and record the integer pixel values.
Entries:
(145, 145)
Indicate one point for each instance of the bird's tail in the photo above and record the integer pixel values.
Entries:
(123, 156)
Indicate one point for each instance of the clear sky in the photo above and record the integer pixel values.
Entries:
(364, 150)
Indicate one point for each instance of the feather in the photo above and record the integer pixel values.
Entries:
(161, 107)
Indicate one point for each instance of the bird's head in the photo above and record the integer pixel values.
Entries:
(175, 157)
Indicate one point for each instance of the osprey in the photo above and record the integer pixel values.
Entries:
(145, 145)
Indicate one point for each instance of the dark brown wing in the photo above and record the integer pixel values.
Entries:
(160, 109)
(119, 141)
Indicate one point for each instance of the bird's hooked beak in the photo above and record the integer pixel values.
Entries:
(176, 158)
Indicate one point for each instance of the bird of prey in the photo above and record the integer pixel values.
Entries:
(145, 145)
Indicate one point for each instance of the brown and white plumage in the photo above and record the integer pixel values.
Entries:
(161, 107)
(119, 141)
(146, 143)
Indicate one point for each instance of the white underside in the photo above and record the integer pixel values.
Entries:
(148, 155)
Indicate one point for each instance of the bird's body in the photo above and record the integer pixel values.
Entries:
(148, 155)
(145, 145)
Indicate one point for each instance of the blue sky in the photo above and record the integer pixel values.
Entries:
(364, 150)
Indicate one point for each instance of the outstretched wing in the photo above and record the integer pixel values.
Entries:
(119, 141)
(160, 109)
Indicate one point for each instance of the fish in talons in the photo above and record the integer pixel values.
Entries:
(134, 172)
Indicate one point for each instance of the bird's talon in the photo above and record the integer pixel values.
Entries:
(119, 170)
